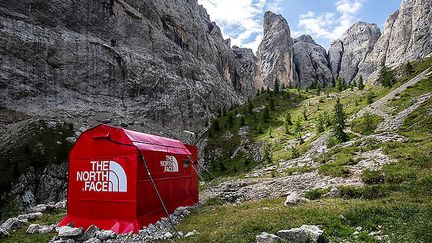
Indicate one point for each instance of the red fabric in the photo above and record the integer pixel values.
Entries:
(109, 185)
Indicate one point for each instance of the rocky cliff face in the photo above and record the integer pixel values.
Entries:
(406, 37)
(311, 62)
(275, 53)
(153, 61)
(351, 49)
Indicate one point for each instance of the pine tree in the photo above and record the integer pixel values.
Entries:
(271, 104)
(386, 77)
(216, 126)
(250, 107)
(283, 87)
(242, 121)
(327, 120)
(270, 132)
(339, 85)
(305, 114)
(409, 69)
(339, 122)
(360, 84)
(318, 89)
(295, 153)
(276, 86)
(367, 121)
(265, 115)
(298, 130)
(260, 129)
(369, 98)
(320, 124)
(288, 118)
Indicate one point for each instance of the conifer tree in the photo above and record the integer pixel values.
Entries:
(298, 130)
(320, 124)
(276, 86)
(288, 118)
(339, 86)
(386, 77)
(250, 107)
(339, 122)
(367, 121)
(305, 114)
(216, 126)
(360, 83)
(242, 121)
(369, 98)
(265, 115)
(409, 69)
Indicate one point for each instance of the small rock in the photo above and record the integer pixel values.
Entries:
(191, 233)
(292, 199)
(168, 235)
(356, 232)
(93, 240)
(30, 216)
(265, 237)
(306, 233)
(359, 228)
(105, 235)
(10, 224)
(33, 229)
(333, 193)
(69, 232)
(91, 232)
(71, 139)
(39, 208)
(61, 204)
(3, 233)
(45, 229)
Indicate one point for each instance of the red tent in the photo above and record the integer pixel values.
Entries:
(109, 185)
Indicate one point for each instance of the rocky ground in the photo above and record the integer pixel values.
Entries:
(257, 186)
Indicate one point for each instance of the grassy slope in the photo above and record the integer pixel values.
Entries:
(396, 199)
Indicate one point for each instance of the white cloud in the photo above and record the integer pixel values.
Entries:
(330, 25)
(239, 20)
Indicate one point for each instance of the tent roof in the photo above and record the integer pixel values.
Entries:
(143, 141)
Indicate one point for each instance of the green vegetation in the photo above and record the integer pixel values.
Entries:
(404, 100)
(386, 77)
(40, 144)
(366, 125)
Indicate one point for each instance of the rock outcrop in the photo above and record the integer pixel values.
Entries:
(275, 53)
(311, 62)
(247, 60)
(157, 61)
(351, 49)
(406, 37)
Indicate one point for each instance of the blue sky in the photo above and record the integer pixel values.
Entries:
(324, 20)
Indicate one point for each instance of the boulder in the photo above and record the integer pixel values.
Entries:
(33, 229)
(292, 199)
(304, 234)
(93, 240)
(265, 237)
(91, 232)
(12, 223)
(45, 229)
(105, 235)
(3, 233)
(333, 193)
(30, 216)
(69, 232)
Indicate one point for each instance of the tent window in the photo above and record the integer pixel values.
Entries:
(185, 163)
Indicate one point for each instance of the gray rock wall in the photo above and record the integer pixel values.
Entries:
(275, 54)
(154, 60)
(311, 62)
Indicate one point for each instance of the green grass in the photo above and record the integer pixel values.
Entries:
(241, 223)
(364, 126)
(20, 235)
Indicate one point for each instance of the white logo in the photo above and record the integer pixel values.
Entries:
(170, 164)
(105, 176)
